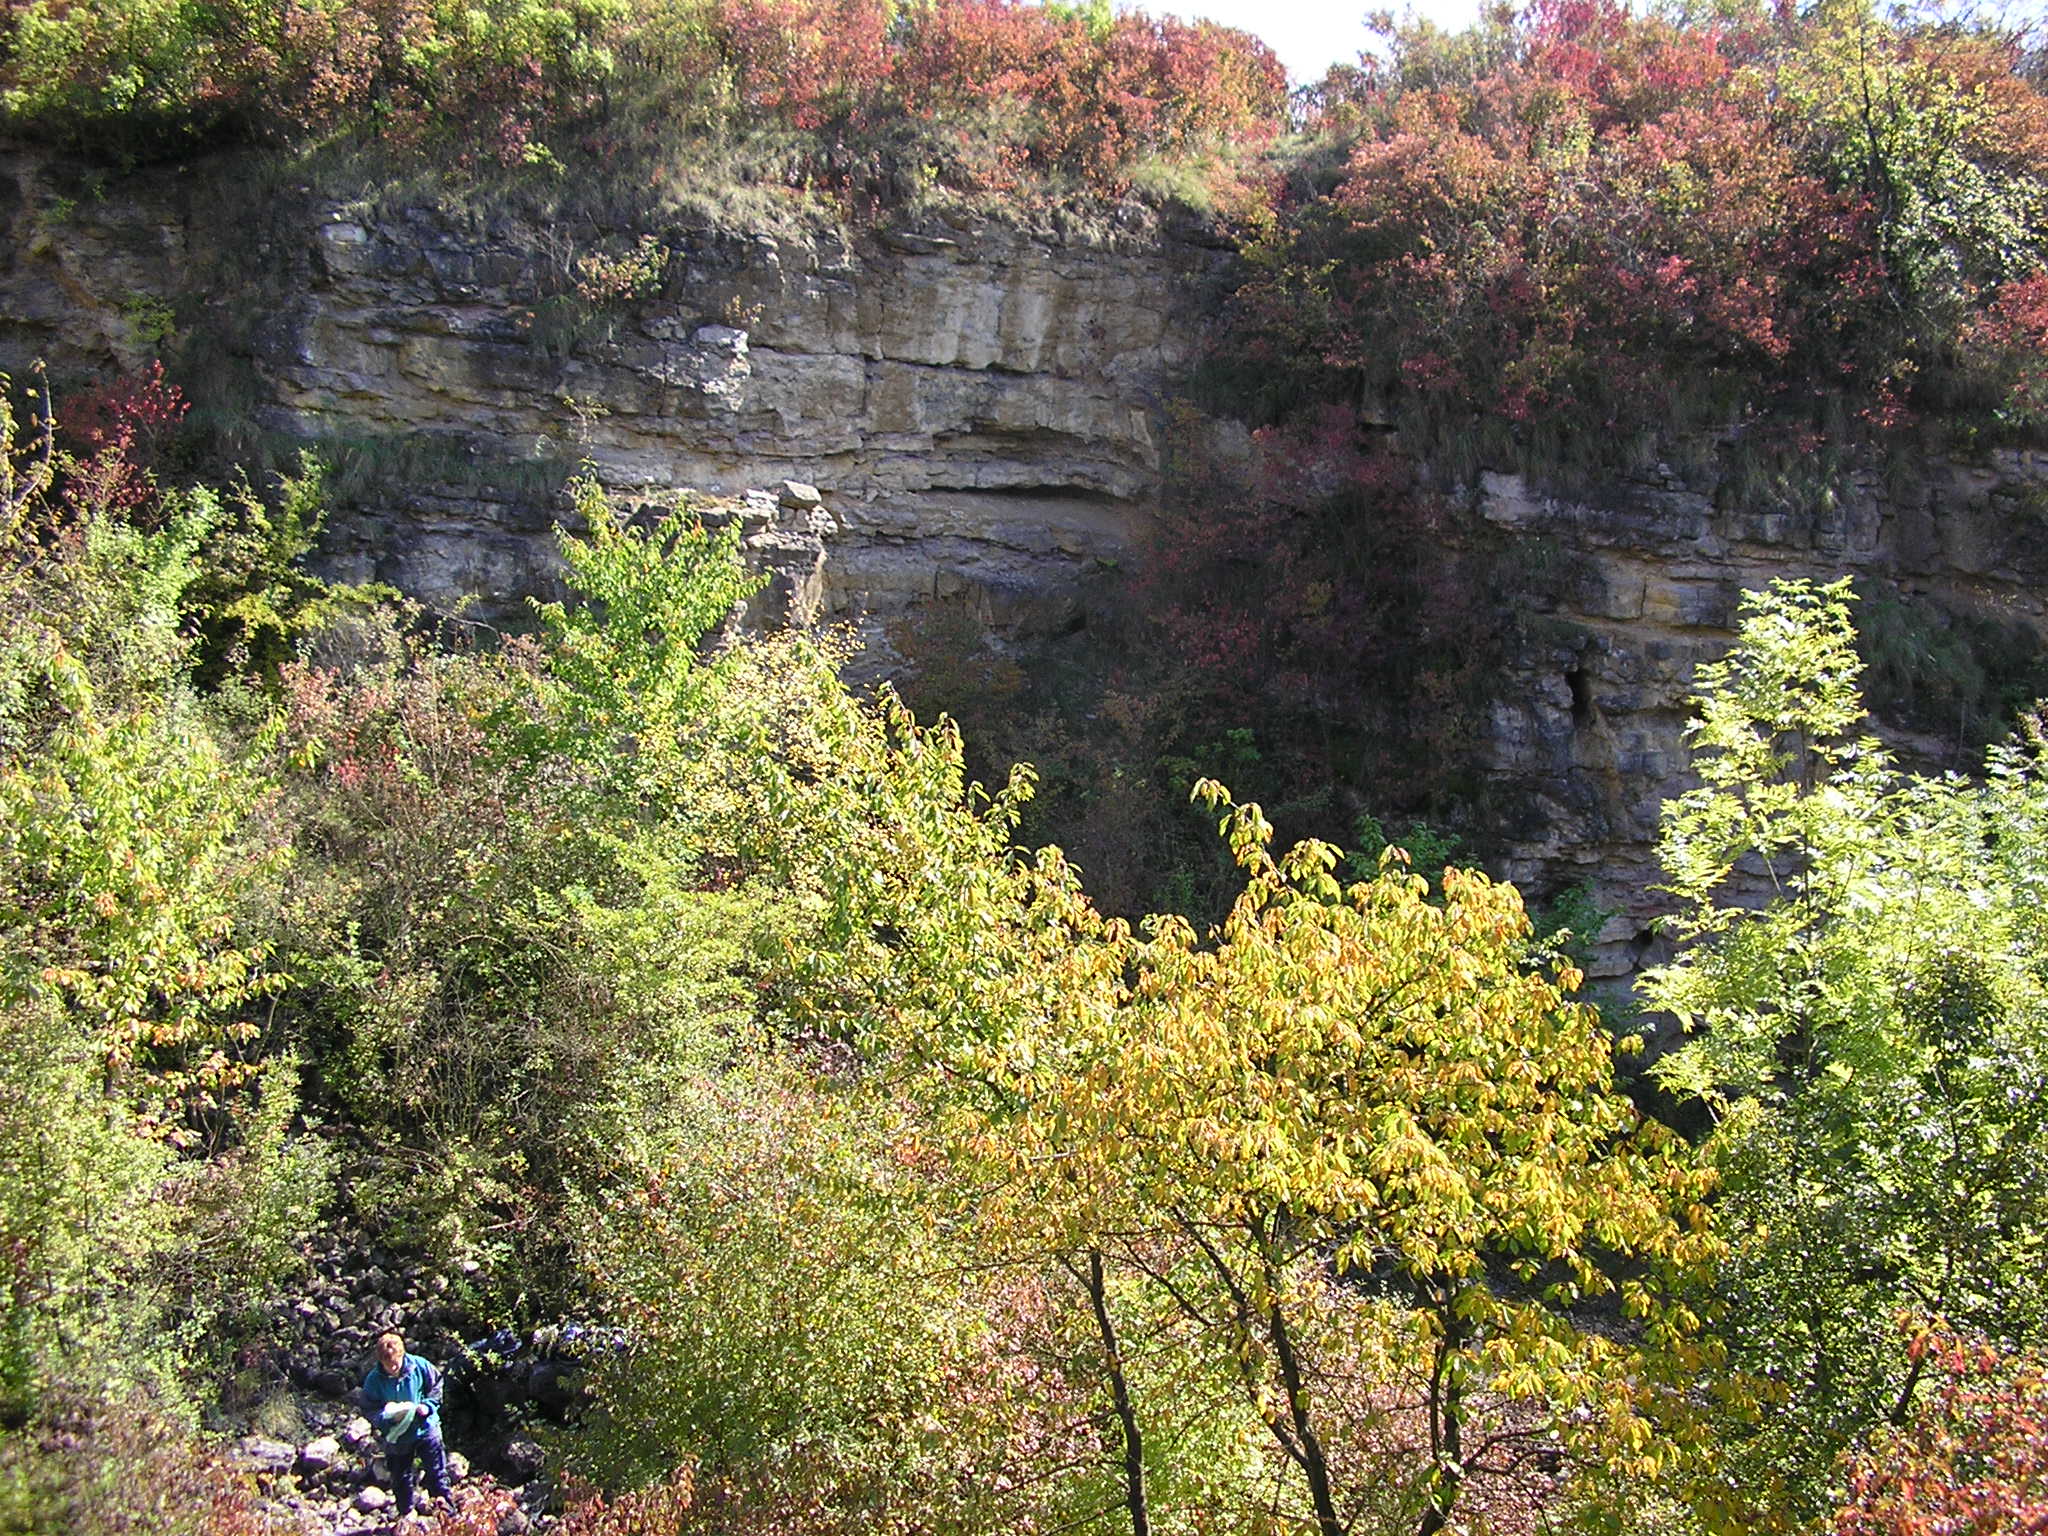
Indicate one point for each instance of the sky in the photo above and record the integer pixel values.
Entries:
(1310, 35)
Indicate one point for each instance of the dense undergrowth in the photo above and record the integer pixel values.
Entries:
(677, 988)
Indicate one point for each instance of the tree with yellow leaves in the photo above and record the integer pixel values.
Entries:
(1355, 1151)
(1391, 1146)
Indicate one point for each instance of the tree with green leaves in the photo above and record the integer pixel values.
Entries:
(150, 1180)
(1943, 137)
(518, 913)
(1861, 970)
(625, 659)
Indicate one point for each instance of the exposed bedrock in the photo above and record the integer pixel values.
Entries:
(981, 411)
(1628, 590)
(979, 405)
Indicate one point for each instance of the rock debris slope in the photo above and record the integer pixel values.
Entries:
(315, 1463)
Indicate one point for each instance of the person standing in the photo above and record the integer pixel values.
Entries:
(402, 1396)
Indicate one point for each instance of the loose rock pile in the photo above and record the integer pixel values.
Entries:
(335, 1484)
(326, 1476)
(354, 1295)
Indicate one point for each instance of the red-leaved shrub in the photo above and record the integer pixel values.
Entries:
(1972, 1460)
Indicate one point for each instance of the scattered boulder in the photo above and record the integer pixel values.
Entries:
(372, 1499)
(264, 1456)
(550, 1385)
(330, 1383)
(318, 1456)
(522, 1460)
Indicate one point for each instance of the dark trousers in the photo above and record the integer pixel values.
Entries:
(427, 1444)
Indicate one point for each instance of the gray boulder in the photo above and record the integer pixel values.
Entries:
(522, 1459)
(267, 1457)
(318, 1456)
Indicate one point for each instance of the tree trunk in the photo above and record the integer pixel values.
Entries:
(1314, 1465)
(1294, 1429)
(1446, 1434)
(1120, 1396)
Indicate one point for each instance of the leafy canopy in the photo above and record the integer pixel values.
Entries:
(1861, 967)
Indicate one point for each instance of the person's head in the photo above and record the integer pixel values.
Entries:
(390, 1352)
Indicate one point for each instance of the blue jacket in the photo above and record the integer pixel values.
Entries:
(416, 1382)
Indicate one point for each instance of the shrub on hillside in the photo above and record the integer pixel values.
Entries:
(139, 78)
(508, 924)
(511, 81)
(1602, 232)
(152, 1181)
(119, 1468)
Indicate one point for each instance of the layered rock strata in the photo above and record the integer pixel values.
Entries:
(979, 409)
(980, 404)
(1626, 593)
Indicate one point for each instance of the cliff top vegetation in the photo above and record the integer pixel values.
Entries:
(1572, 234)
(1585, 234)
(874, 100)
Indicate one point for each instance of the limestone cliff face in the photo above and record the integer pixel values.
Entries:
(979, 405)
(1632, 589)
(980, 408)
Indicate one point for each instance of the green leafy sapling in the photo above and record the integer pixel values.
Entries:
(1861, 973)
